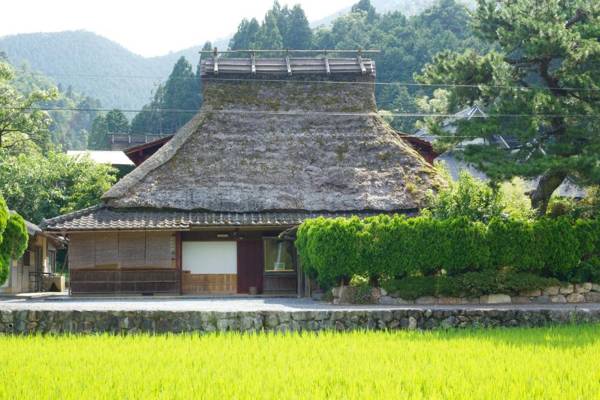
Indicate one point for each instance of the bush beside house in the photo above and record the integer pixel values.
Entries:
(13, 238)
(424, 256)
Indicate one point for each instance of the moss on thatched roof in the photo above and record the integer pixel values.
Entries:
(291, 143)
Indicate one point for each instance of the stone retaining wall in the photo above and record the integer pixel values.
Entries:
(126, 322)
(579, 293)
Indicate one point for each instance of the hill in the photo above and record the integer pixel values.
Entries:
(93, 65)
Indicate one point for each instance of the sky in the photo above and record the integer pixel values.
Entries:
(150, 27)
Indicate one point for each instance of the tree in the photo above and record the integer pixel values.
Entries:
(543, 67)
(13, 238)
(268, 36)
(168, 111)
(113, 122)
(366, 7)
(39, 187)
(19, 119)
(477, 201)
(116, 122)
(182, 92)
(298, 34)
(245, 37)
(97, 139)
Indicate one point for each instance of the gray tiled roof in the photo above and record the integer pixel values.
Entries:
(103, 218)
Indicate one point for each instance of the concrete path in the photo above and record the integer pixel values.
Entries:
(233, 304)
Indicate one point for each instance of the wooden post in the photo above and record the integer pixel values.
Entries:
(215, 61)
(178, 263)
(359, 59)
(287, 63)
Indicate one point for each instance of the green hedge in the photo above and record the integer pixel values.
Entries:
(395, 247)
(470, 284)
(13, 238)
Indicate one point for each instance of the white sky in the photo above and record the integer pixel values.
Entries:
(147, 27)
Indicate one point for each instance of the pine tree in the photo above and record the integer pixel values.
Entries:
(544, 67)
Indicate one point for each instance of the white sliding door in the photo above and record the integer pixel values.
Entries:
(209, 257)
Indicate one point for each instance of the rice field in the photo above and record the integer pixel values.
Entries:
(560, 362)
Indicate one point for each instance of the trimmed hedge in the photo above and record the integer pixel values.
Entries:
(395, 247)
(470, 284)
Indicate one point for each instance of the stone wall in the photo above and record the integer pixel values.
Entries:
(129, 322)
(578, 293)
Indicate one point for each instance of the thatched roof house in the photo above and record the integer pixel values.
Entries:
(276, 141)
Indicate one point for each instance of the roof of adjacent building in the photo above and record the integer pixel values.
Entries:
(111, 157)
(99, 218)
(453, 162)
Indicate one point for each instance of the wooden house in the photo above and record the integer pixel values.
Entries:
(277, 141)
(35, 270)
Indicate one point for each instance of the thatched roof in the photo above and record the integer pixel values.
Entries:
(271, 141)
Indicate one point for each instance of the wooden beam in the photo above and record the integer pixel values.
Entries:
(253, 59)
(289, 66)
(327, 68)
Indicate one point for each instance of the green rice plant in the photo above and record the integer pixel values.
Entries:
(541, 363)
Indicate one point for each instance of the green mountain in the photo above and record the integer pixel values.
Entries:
(94, 65)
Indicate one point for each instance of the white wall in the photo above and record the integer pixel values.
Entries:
(209, 257)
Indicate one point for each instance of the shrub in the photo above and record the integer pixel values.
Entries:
(512, 244)
(329, 248)
(467, 249)
(412, 287)
(3, 216)
(470, 284)
(429, 244)
(558, 246)
(396, 247)
(467, 197)
(516, 204)
(587, 271)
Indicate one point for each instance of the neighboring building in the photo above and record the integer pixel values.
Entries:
(277, 141)
(451, 159)
(115, 158)
(122, 141)
(140, 153)
(34, 271)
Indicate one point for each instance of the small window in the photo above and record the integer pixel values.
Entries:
(279, 255)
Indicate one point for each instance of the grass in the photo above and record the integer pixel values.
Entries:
(561, 362)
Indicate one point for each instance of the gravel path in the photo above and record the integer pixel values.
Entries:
(235, 304)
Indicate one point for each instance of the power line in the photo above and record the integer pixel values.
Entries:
(377, 83)
(301, 113)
